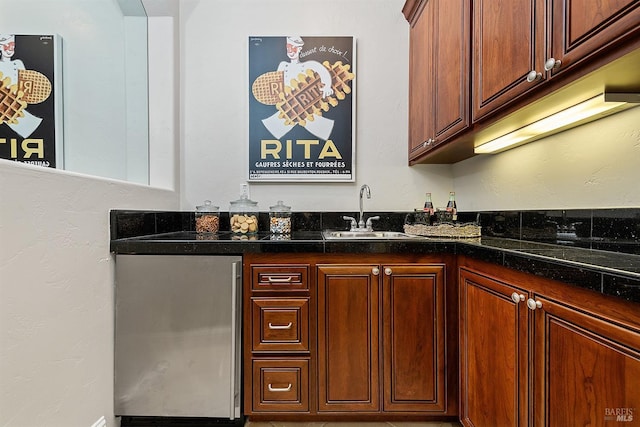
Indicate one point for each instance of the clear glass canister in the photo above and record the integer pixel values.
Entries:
(243, 215)
(207, 218)
(280, 218)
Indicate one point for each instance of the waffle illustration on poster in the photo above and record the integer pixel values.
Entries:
(301, 108)
(29, 116)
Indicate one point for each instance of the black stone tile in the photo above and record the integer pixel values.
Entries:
(465, 217)
(306, 221)
(126, 224)
(334, 220)
(582, 277)
(389, 221)
(501, 224)
(480, 252)
(169, 222)
(621, 287)
(263, 222)
(628, 247)
(225, 224)
(539, 226)
(616, 224)
(568, 226)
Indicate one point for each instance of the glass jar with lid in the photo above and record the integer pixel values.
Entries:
(243, 215)
(207, 218)
(280, 218)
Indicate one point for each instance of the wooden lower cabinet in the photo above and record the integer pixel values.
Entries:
(280, 385)
(279, 337)
(348, 338)
(494, 352)
(413, 325)
(587, 370)
(534, 352)
(381, 343)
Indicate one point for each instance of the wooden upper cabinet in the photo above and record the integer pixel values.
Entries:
(581, 30)
(438, 73)
(472, 65)
(508, 44)
(420, 81)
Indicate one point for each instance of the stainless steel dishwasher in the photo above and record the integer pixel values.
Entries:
(177, 336)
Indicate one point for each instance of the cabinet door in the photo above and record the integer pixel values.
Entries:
(493, 352)
(413, 338)
(439, 74)
(421, 41)
(587, 371)
(581, 30)
(451, 68)
(508, 43)
(348, 378)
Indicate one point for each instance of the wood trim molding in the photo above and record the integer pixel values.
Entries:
(412, 8)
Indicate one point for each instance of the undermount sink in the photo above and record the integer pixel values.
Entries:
(353, 235)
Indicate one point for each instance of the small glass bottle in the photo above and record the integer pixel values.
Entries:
(207, 218)
(452, 207)
(428, 205)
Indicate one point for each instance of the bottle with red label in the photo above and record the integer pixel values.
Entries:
(428, 205)
(452, 207)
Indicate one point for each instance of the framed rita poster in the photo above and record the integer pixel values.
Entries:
(30, 99)
(302, 108)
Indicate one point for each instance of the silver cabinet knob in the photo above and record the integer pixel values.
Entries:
(552, 64)
(428, 142)
(533, 304)
(516, 297)
(388, 271)
(375, 271)
(533, 76)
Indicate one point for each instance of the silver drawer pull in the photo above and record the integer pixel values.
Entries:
(272, 326)
(272, 388)
(280, 279)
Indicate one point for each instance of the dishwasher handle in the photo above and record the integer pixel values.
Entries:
(236, 321)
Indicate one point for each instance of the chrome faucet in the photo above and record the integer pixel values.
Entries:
(360, 225)
(363, 189)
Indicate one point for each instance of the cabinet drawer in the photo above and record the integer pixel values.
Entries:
(279, 278)
(281, 385)
(280, 324)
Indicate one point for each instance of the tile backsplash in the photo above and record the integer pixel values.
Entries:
(616, 230)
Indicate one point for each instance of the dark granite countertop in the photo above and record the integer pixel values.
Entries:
(608, 272)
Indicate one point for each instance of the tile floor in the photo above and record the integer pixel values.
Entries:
(351, 424)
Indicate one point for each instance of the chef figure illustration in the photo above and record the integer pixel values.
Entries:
(294, 67)
(319, 126)
(10, 68)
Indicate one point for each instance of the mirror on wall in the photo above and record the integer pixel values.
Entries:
(101, 66)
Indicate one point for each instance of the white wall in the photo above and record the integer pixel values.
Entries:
(592, 166)
(215, 87)
(56, 293)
